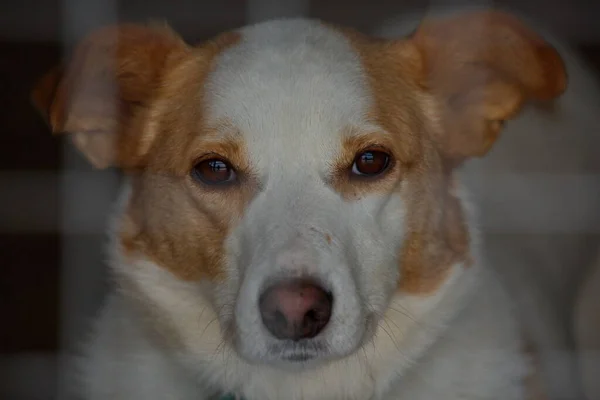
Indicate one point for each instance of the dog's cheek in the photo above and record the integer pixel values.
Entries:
(225, 291)
(378, 235)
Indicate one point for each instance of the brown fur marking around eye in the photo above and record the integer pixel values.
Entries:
(446, 91)
(436, 233)
(353, 188)
(171, 219)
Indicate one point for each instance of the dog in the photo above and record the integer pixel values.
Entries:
(298, 218)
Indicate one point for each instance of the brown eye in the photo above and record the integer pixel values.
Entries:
(213, 172)
(370, 163)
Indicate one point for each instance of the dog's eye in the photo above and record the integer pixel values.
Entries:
(213, 172)
(370, 163)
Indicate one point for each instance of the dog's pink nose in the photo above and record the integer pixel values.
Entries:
(295, 310)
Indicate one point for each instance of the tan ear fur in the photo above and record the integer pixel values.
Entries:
(482, 67)
(109, 81)
(42, 94)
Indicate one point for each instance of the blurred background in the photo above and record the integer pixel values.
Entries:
(53, 206)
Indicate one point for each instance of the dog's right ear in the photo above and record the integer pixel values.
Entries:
(112, 76)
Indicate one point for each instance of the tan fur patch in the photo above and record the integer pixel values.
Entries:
(44, 91)
(444, 94)
(483, 66)
(110, 79)
(437, 236)
(132, 97)
(176, 221)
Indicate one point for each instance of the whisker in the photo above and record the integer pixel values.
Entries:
(408, 315)
(388, 320)
(208, 325)
(405, 310)
(402, 312)
(392, 338)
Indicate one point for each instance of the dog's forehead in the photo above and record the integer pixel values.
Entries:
(290, 88)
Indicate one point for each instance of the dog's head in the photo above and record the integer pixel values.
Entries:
(290, 178)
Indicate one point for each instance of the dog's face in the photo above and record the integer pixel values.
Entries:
(289, 179)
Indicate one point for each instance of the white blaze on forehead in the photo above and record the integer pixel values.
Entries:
(290, 87)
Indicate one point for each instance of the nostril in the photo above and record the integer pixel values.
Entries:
(296, 309)
(311, 315)
(314, 321)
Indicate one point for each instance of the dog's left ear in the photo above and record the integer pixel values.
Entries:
(482, 67)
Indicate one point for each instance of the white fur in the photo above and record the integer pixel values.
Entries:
(291, 88)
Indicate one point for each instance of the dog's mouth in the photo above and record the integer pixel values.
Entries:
(299, 352)
(299, 357)
(309, 352)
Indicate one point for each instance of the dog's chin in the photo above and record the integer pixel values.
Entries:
(293, 356)
(301, 355)
(294, 363)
